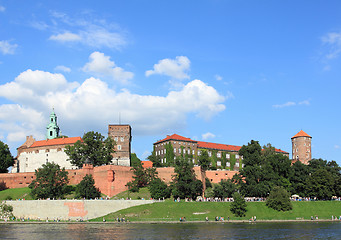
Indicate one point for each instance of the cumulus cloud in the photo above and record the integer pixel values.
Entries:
(174, 68)
(95, 33)
(207, 135)
(218, 77)
(102, 66)
(290, 104)
(92, 105)
(7, 48)
(62, 68)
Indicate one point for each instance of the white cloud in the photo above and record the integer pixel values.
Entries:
(2, 8)
(92, 105)
(287, 104)
(333, 41)
(305, 102)
(7, 48)
(95, 33)
(207, 135)
(218, 77)
(62, 69)
(66, 37)
(175, 68)
(102, 66)
(290, 104)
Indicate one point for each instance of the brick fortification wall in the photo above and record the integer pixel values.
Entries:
(110, 179)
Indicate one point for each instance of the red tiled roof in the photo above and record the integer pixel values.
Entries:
(147, 164)
(175, 137)
(218, 146)
(56, 141)
(301, 134)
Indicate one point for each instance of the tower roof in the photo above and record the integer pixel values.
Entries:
(301, 134)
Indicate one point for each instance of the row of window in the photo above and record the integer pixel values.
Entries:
(219, 154)
(121, 138)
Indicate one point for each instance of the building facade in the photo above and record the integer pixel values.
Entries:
(301, 147)
(121, 134)
(223, 156)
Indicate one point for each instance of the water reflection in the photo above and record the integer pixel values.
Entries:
(186, 231)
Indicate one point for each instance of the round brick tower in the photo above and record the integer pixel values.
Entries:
(301, 147)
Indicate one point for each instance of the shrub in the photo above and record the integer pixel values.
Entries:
(279, 199)
(238, 206)
(159, 189)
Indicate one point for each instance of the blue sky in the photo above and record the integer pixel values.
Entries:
(219, 71)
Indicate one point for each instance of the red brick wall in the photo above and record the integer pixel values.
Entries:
(110, 179)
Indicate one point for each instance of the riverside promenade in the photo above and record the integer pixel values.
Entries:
(69, 209)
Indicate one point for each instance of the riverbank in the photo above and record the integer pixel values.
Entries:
(170, 211)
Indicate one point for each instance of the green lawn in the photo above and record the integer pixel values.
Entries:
(16, 193)
(143, 193)
(197, 211)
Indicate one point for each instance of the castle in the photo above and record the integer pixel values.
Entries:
(33, 154)
(301, 147)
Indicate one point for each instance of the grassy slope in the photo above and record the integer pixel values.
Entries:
(143, 193)
(16, 193)
(171, 211)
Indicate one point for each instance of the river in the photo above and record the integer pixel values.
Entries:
(293, 230)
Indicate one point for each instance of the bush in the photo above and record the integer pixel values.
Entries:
(238, 206)
(279, 199)
(159, 189)
(86, 188)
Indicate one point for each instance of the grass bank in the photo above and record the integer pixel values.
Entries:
(16, 193)
(197, 211)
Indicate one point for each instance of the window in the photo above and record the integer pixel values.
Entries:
(174, 150)
(219, 154)
(218, 163)
(179, 150)
(51, 119)
(47, 150)
(243, 165)
(164, 151)
(116, 139)
(161, 151)
(51, 133)
(237, 156)
(199, 153)
(119, 147)
(165, 160)
(189, 151)
(228, 164)
(210, 154)
(237, 164)
(193, 152)
(227, 155)
(122, 139)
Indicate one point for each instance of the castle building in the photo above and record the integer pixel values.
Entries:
(52, 127)
(121, 134)
(301, 147)
(225, 156)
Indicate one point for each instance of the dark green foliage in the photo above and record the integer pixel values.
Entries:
(142, 177)
(159, 189)
(50, 182)
(94, 148)
(169, 154)
(6, 158)
(134, 160)
(86, 188)
(204, 163)
(3, 186)
(185, 184)
(224, 189)
(298, 177)
(238, 206)
(155, 160)
(279, 199)
(320, 184)
(208, 183)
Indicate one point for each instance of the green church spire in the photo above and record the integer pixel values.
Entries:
(52, 127)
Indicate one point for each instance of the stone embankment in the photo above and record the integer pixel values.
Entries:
(70, 209)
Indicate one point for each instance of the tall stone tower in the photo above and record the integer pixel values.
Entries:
(121, 134)
(52, 127)
(301, 147)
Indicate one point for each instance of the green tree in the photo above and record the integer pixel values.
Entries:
(134, 160)
(224, 189)
(154, 159)
(279, 199)
(86, 188)
(93, 147)
(51, 182)
(185, 184)
(169, 154)
(298, 177)
(159, 189)
(140, 178)
(6, 158)
(204, 163)
(238, 206)
(320, 184)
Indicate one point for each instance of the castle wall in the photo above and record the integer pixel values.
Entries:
(110, 179)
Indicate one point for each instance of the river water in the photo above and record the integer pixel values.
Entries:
(294, 230)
